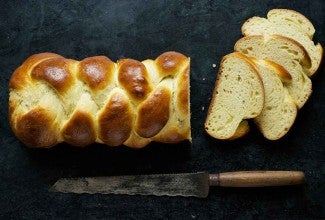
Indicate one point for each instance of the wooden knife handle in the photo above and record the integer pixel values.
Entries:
(257, 178)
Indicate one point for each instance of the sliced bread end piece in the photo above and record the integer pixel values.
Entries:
(238, 95)
(279, 111)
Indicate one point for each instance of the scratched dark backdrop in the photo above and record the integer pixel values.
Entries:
(205, 31)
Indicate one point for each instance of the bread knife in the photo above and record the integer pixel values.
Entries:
(182, 184)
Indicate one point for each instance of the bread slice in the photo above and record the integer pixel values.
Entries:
(286, 52)
(292, 18)
(279, 111)
(238, 95)
(277, 25)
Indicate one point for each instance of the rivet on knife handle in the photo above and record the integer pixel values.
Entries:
(256, 178)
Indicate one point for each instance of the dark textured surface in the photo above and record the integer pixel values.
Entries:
(205, 31)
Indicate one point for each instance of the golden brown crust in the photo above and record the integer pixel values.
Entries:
(153, 113)
(282, 72)
(133, 76)
(183, 91)
(20, 76)
(53, 99)
(55, 72)
(115, 122)
(168, 63)
(173, 135)
(136, 141)
(79, 130)
(96, 71)
(37, 128)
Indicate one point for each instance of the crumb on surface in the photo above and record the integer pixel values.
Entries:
(214, 65)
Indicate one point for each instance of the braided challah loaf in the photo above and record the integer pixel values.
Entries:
(54, 99)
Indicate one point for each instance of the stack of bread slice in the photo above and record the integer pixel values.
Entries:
(267, 78)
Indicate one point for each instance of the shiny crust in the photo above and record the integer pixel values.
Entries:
(153, 113)
(183, 92)
(55, 72)
(115, 122)
(96, 71)
(79, 131)
(130, 102)
(20, 76)
(169, 62)
(37, 128)
(133, 77)
(173, 135)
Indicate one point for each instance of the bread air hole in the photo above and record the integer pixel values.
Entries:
(227, 91)
(287, 19)
(246, 51)
(289, 50)
(293, 52)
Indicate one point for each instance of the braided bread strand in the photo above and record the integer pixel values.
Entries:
(53, 99)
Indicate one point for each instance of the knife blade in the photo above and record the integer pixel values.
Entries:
(182, 184)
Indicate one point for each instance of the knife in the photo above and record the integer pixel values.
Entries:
(182, 184)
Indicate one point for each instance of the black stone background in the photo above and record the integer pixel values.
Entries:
(204, 30)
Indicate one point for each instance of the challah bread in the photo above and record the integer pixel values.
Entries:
(283, 26)
(54, 99)
(293, 19)
(279, 111)
(238, 95)
(286, 52)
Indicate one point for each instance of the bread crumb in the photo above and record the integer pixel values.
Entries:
(202, 108)
(214, 65)
(203, 79)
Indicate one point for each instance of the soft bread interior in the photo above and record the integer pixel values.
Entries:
(293, 19)
(285, 52)
(260, 26)
(238, 95)
(279, 111)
